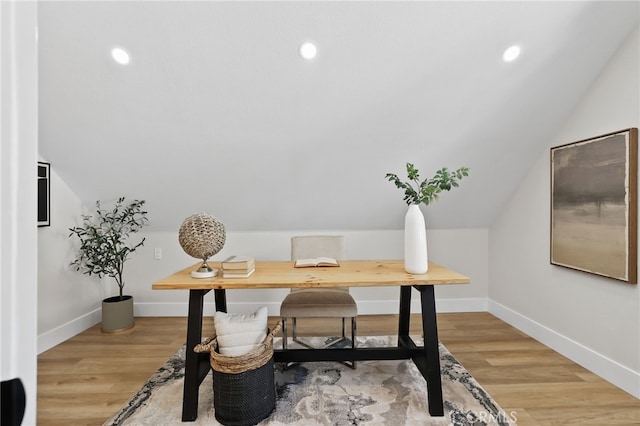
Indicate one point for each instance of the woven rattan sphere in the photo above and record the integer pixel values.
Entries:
(202, 235)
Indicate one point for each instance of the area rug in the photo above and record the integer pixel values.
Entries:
(329, 393)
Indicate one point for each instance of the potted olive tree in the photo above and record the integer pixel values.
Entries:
(104, 249)
(416, 192)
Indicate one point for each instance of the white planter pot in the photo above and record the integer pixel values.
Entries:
(415, 241)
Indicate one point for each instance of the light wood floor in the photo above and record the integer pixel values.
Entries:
(86, 379)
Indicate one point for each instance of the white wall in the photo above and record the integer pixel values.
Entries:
(18, 159)
(68, 301)
(592, 320)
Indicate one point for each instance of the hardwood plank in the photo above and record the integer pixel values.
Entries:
(562, 395)
(587, 416)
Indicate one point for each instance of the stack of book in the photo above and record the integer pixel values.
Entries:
(238, 267)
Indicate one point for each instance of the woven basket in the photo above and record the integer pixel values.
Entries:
(243, 386)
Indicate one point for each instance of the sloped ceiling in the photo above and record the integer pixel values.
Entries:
(218, 113)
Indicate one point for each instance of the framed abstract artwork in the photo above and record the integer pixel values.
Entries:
(594, 211)
(44, 196)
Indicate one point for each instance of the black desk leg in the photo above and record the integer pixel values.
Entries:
(192, 359)
(430, 329)
(405, 311)
(221, 299)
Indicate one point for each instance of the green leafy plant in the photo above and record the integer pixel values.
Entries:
(104, 239)
(427, 190)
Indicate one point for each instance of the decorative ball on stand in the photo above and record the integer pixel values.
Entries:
(202, 236)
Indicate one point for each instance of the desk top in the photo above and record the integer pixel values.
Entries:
(360, 273)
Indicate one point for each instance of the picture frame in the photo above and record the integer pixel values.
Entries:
(594, 205)
(44, 194)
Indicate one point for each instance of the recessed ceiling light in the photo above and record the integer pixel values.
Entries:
(511, 53)
(120, 55)
(308, 50)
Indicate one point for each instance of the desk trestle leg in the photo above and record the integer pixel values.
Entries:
(193, 372)
(428, 359)
(431, 352)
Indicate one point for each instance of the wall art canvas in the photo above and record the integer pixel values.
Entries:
(594, 205)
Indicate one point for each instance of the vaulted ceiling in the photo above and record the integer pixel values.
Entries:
(218, 113)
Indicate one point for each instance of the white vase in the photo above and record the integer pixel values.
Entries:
(415, 241)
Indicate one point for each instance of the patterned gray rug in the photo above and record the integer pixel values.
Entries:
(328, 393)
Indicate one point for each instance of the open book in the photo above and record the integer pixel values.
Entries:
(318, 261)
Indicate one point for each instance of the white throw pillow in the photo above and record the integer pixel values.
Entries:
(239, 334)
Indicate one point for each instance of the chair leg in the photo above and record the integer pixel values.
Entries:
(353, 332)
(353, 339)
(284, 333)
(294, 336)
(295, 324)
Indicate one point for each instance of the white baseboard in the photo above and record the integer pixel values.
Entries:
(480, 304)
(181, 309)
(613, 372)
(373, 307)
(366, 307)
(66, 331)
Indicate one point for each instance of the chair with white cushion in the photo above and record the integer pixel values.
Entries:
(318, 302)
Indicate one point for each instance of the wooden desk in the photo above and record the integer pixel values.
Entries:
(349, 274)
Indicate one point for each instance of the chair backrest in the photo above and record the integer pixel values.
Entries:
(304, 247)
